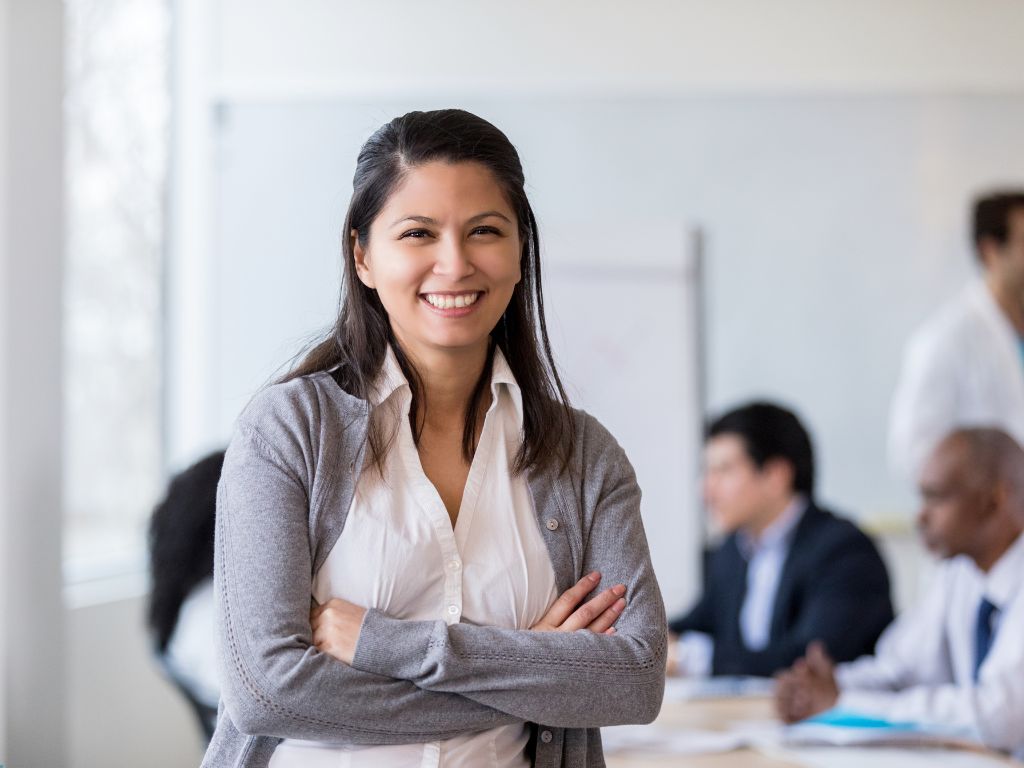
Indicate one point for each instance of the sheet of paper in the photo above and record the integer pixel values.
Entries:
(695, 689)
(882, 757)
(653, 739)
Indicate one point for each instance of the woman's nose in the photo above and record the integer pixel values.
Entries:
(453, 259)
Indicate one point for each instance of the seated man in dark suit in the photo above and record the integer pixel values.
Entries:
(789, 572)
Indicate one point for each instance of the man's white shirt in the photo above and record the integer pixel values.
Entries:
(962, 368)
(923, 668)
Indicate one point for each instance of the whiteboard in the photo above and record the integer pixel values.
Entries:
(833, 224)
(625, 340)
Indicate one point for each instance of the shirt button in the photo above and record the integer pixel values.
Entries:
(454, 565)
(453, 609)
(546, 737)
(552, 524)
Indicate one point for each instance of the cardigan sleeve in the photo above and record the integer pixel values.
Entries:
(562, 679)
(274, 680)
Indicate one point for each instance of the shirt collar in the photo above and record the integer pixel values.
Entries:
(778, 533)
(390, 380)
(501, 374)
(1005, 579)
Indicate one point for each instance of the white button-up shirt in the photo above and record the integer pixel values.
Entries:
(923, 668)
(962, 368)
(399, 553)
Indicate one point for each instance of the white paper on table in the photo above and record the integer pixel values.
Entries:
(758, 733)
(699, 688)
(882, 757)
(654, 739)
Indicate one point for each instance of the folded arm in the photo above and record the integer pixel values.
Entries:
(575, 679)
(275, 682)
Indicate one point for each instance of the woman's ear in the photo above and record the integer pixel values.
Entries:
(359, 256)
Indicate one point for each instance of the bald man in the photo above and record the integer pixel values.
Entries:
(957, 659)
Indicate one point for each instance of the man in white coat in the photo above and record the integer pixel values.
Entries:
(965, 365)
(956, 659)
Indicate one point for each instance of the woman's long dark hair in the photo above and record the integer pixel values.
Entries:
(181, 544)
(358, 340)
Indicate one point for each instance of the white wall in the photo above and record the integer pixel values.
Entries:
(31, 243)
(124, 714)
(289, 47)
(238, 50)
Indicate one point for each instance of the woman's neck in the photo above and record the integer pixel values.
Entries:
(448, 378)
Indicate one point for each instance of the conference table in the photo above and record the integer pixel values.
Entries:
(727, 714)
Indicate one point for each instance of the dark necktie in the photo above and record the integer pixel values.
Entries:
(983, 633)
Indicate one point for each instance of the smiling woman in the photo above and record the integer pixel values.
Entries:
(424, 556)
(445, 278)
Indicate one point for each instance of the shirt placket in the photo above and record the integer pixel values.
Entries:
(429, 500)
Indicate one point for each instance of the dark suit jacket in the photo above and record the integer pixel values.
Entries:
(834, 587)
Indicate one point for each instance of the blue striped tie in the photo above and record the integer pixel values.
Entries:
(983, 633)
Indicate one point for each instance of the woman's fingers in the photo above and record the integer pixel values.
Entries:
(336, 626)
(597, 614)
(589, 612)
(563, 607)
(609, 617)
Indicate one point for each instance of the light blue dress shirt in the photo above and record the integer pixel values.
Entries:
(765, 557)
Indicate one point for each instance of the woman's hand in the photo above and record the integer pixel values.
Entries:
(598, 614)
(336, 626)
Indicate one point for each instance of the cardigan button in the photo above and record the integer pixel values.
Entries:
(552, 524)
(546, 737)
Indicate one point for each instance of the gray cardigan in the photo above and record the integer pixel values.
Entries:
(287, 484)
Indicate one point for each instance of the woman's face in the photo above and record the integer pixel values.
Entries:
(443, 255)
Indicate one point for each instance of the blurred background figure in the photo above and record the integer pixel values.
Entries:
(965, 365)
(180, 613)
(789, 572)
(956, 659)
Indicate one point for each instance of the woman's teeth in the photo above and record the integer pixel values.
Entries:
(444, 301)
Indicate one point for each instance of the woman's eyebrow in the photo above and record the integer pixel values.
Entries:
(420, 219)
(428, 220)
(487, 214)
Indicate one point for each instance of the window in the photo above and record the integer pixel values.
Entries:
(117, 110)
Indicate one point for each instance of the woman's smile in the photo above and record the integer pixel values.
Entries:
(452, 304)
